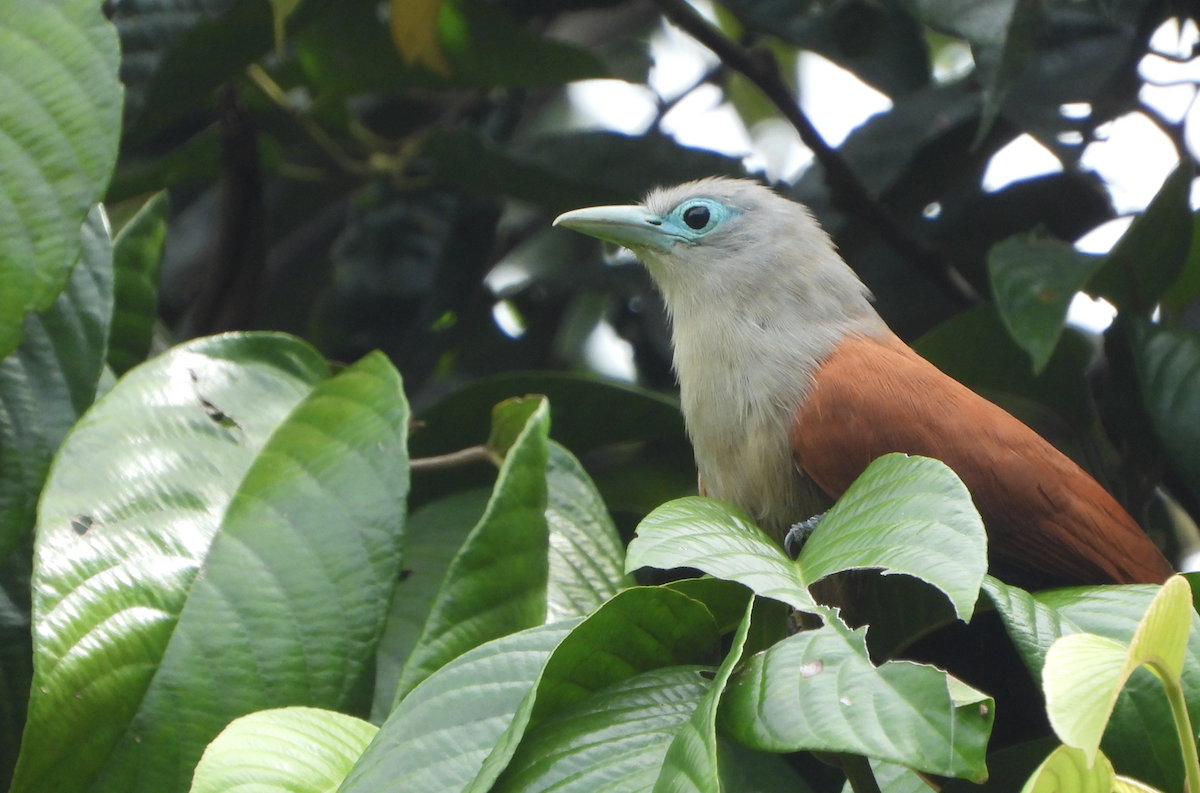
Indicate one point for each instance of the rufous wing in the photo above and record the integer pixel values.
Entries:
(1049, 523)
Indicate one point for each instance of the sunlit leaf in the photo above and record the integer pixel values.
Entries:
(1084, 672)
(496, 583)
(60, 121)
(1068, 769)
(297, 750)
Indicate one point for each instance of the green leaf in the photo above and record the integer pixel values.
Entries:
(638, 630)
(51, 378)
(432, 536)
(567, 171)
(191, 56)
(1187, 286)
(1084, 672)
(297, 750)
(818, 690)
(477, 708)
(349, 49)
(196, 161)
(1001, 34)
(1140, 739)
(893, 778)
(496, 584)
(1033, 281)
(587, 557)
(436, 738)
(725, 600)
(1168, 372)
(1149, 257)
(209, 538)
(909, 515)
(282, 10)
(691, 762)
(887, 519)
(879, 42)
(16, 656)
(1068, 769)
(1082, 677)
(614, 739)
(718, 539)
(137, 254)
(60, 122)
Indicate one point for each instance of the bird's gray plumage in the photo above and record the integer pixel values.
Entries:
(786, 299)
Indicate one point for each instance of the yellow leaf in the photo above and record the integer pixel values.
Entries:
(415, 31)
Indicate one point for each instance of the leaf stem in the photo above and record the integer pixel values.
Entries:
(857, 769)
(1183, 725)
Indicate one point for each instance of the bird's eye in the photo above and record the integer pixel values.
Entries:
(697, 216)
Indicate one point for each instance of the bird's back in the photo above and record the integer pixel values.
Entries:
(1049, 523)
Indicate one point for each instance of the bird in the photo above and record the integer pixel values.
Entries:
(791, 384)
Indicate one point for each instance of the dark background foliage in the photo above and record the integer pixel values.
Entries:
(338, 189)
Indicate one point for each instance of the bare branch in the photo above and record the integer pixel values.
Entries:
(472, 454)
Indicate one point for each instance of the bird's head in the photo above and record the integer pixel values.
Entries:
(731, 242)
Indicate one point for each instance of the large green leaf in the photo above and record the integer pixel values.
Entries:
(1151, 254)
(299, 750)
(137, 253)
(909, 515)
(587, 557)
(615, 739)
(890, 518)
(721, 540)
(818, 690)
(1140, 739)
(1168, 372)
(496, 584)
(476, 708)
(1033, 281)
(60, 121)
(437, 737)
(432, 536)
(692, 760)
(196, 572)
(1084, 672)
(50, 379)
(1070, 769)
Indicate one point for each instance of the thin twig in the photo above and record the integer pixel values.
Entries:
(276, 94)
(848, 191)
(472, 454)
(667, 105)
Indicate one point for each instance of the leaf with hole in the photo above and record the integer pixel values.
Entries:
(207, 535)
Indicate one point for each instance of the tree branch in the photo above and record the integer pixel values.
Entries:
(847, 190)
(472, 454)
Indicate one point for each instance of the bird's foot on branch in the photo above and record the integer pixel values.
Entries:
(794, 541)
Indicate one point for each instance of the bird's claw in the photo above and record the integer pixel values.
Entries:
(798, 534)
